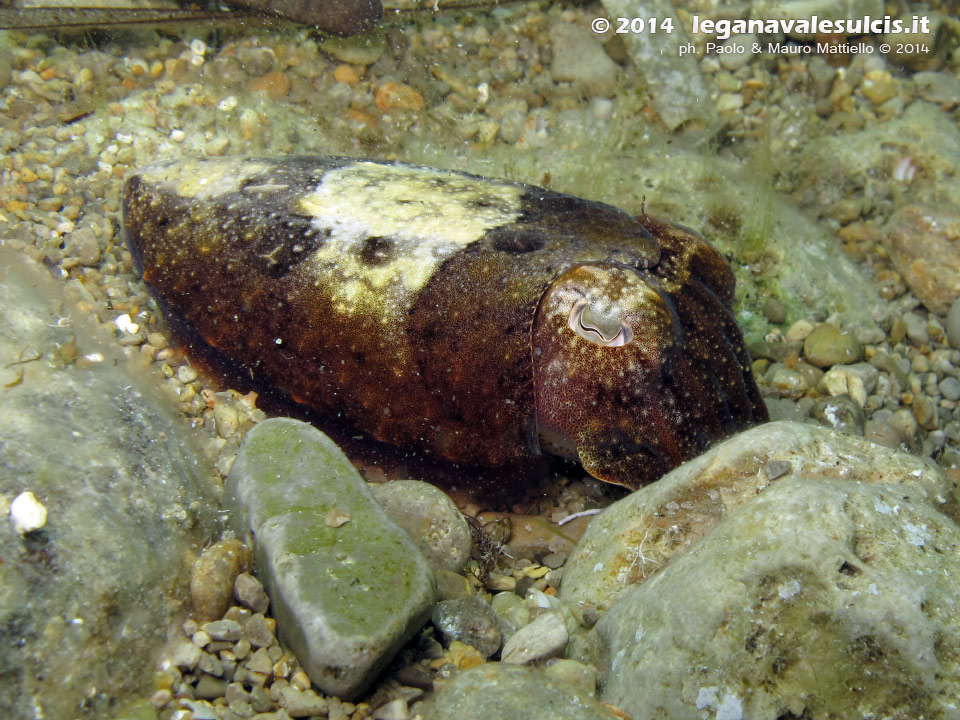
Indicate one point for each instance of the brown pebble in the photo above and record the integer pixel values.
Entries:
(213, 578)
(397, 96)
(922, 244)
(346, 74)
(276, 84)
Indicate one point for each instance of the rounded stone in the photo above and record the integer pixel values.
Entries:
(827, 346)
(950, 388)
(430, 518)
(512, 613)
(250, 593)
(775, 310)
(471, 621)
(953, 324)
(578, 57)
(213, 578)
(573, 674)
(359, 50)
(841, 413)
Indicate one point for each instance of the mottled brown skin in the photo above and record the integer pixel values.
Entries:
(458, 381)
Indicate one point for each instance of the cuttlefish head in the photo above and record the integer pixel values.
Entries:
(604, 338)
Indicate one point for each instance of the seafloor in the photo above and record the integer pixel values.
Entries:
(827, 178)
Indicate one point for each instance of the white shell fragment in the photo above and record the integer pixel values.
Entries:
(27, 513)
(126, 324)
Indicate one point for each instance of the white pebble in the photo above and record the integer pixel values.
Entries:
(228, 103)
(178, 135)
(125, 324)
(27, 513)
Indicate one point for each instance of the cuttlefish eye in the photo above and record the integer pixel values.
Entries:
(600, 325)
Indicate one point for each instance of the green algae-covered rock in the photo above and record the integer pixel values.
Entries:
(817, 599)
(348, 586)
(498, 691)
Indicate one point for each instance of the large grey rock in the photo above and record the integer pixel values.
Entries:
(347, 585)
(499, 691)
(819, 598)
(823, 9)
(639, 536)
(86, 602)
(677, 90)
(430, 518)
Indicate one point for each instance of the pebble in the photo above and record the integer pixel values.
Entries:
(346, 74)
(302, 703)
(469, 620)
(578, 57)
(397, 96)
(545, 637)
(186, 374)
(918, 51)
(921, 242)
(430, 518)
(258, 631)
(213, 577)
(511, 611)
(904, 421)
(250, 593)
(185, 655)
(786, 381)
(950, 388)
(841, 413)
(775, 310)
(827, 346)
(27, 513)
(883, 433)
(216, 146)
(916, 328)
(577, 675)
(729, 102)
(952, 326)
(737, 51)
(925, 412)
(210, 688)
(840, 381)
(363, 49)
(940, 88)
(878, 86)
(393, 710)
(799, 331)
(276, 84)
(227, 630)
